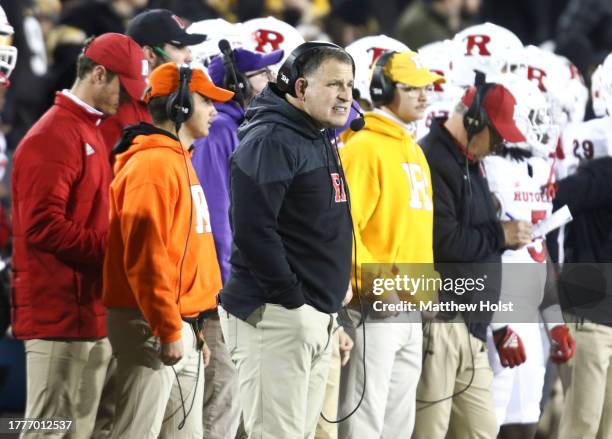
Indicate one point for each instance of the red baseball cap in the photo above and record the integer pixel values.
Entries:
(499, 104)
(123, 56)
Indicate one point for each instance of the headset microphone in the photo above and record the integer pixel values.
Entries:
(359, 122)
(231, 80)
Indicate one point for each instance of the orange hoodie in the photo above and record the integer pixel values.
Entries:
(150, 206)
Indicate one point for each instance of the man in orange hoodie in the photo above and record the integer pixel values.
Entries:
(161, 274)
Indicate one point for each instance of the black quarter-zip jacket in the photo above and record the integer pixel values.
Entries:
(291, 223)
(468, 237)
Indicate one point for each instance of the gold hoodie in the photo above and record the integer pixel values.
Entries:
(391, 196)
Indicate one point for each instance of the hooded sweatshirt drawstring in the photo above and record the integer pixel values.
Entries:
(329, 170)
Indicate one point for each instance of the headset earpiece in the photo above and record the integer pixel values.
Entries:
(290, 72)
(179, 106)
(382, 87)
(476, 118)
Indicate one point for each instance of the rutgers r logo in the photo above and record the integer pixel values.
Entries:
(418, 183)
(338, 187)
(537, 75)
(202, 215)
(265, 37)
(478, 42)
(438, 85)
(376, 52)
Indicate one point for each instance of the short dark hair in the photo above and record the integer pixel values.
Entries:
(86, 64)
(312, 60)
(157, 109)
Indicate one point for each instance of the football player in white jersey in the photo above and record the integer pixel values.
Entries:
(588, 391)
(8, 52)
(269, 34)
(560, 82)
(599, 105)
(365, 51)
(584, 141)
(556, 78)
(578, 91)
(437, 57)
(592, 139)
(8, 60)
(488, 48)
(516, 178)
(215, 29)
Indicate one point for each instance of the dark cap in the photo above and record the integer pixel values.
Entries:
(157, 27)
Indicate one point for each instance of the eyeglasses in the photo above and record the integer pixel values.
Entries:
(265, 71)
(414, 92)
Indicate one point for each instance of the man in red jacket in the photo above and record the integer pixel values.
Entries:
(60, 182)
(163, 38)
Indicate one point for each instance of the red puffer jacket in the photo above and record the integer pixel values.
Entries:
(60, 182)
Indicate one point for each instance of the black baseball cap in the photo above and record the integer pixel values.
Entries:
(157, 27)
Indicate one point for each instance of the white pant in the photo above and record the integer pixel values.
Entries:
(282, 356)
(517, 391)
(393, 366)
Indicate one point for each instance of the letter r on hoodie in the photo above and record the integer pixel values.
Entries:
(201, 210)
(338, 187)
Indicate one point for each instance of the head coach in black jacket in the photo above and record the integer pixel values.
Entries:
(468, 242)
(291, 256)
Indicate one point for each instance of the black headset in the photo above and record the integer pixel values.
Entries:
(179, 106)
(382, 87)
(476, 118)
(233, 79)
(239, 84)
(290, 71)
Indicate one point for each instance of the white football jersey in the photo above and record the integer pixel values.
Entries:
(436, 109)
(581, 142)
(518, 186)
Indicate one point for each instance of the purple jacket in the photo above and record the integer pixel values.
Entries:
(211, 162)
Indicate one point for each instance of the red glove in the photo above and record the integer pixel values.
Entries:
(509, 347)
(563, 345)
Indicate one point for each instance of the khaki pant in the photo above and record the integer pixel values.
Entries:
(151, 398)
(447, 370)
(393, 366)
(221, 406)
(283, 357)
(328, 430)
(587, 410)
(65, 380)
(106, 410)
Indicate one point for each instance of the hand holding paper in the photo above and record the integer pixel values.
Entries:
(558, 219)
